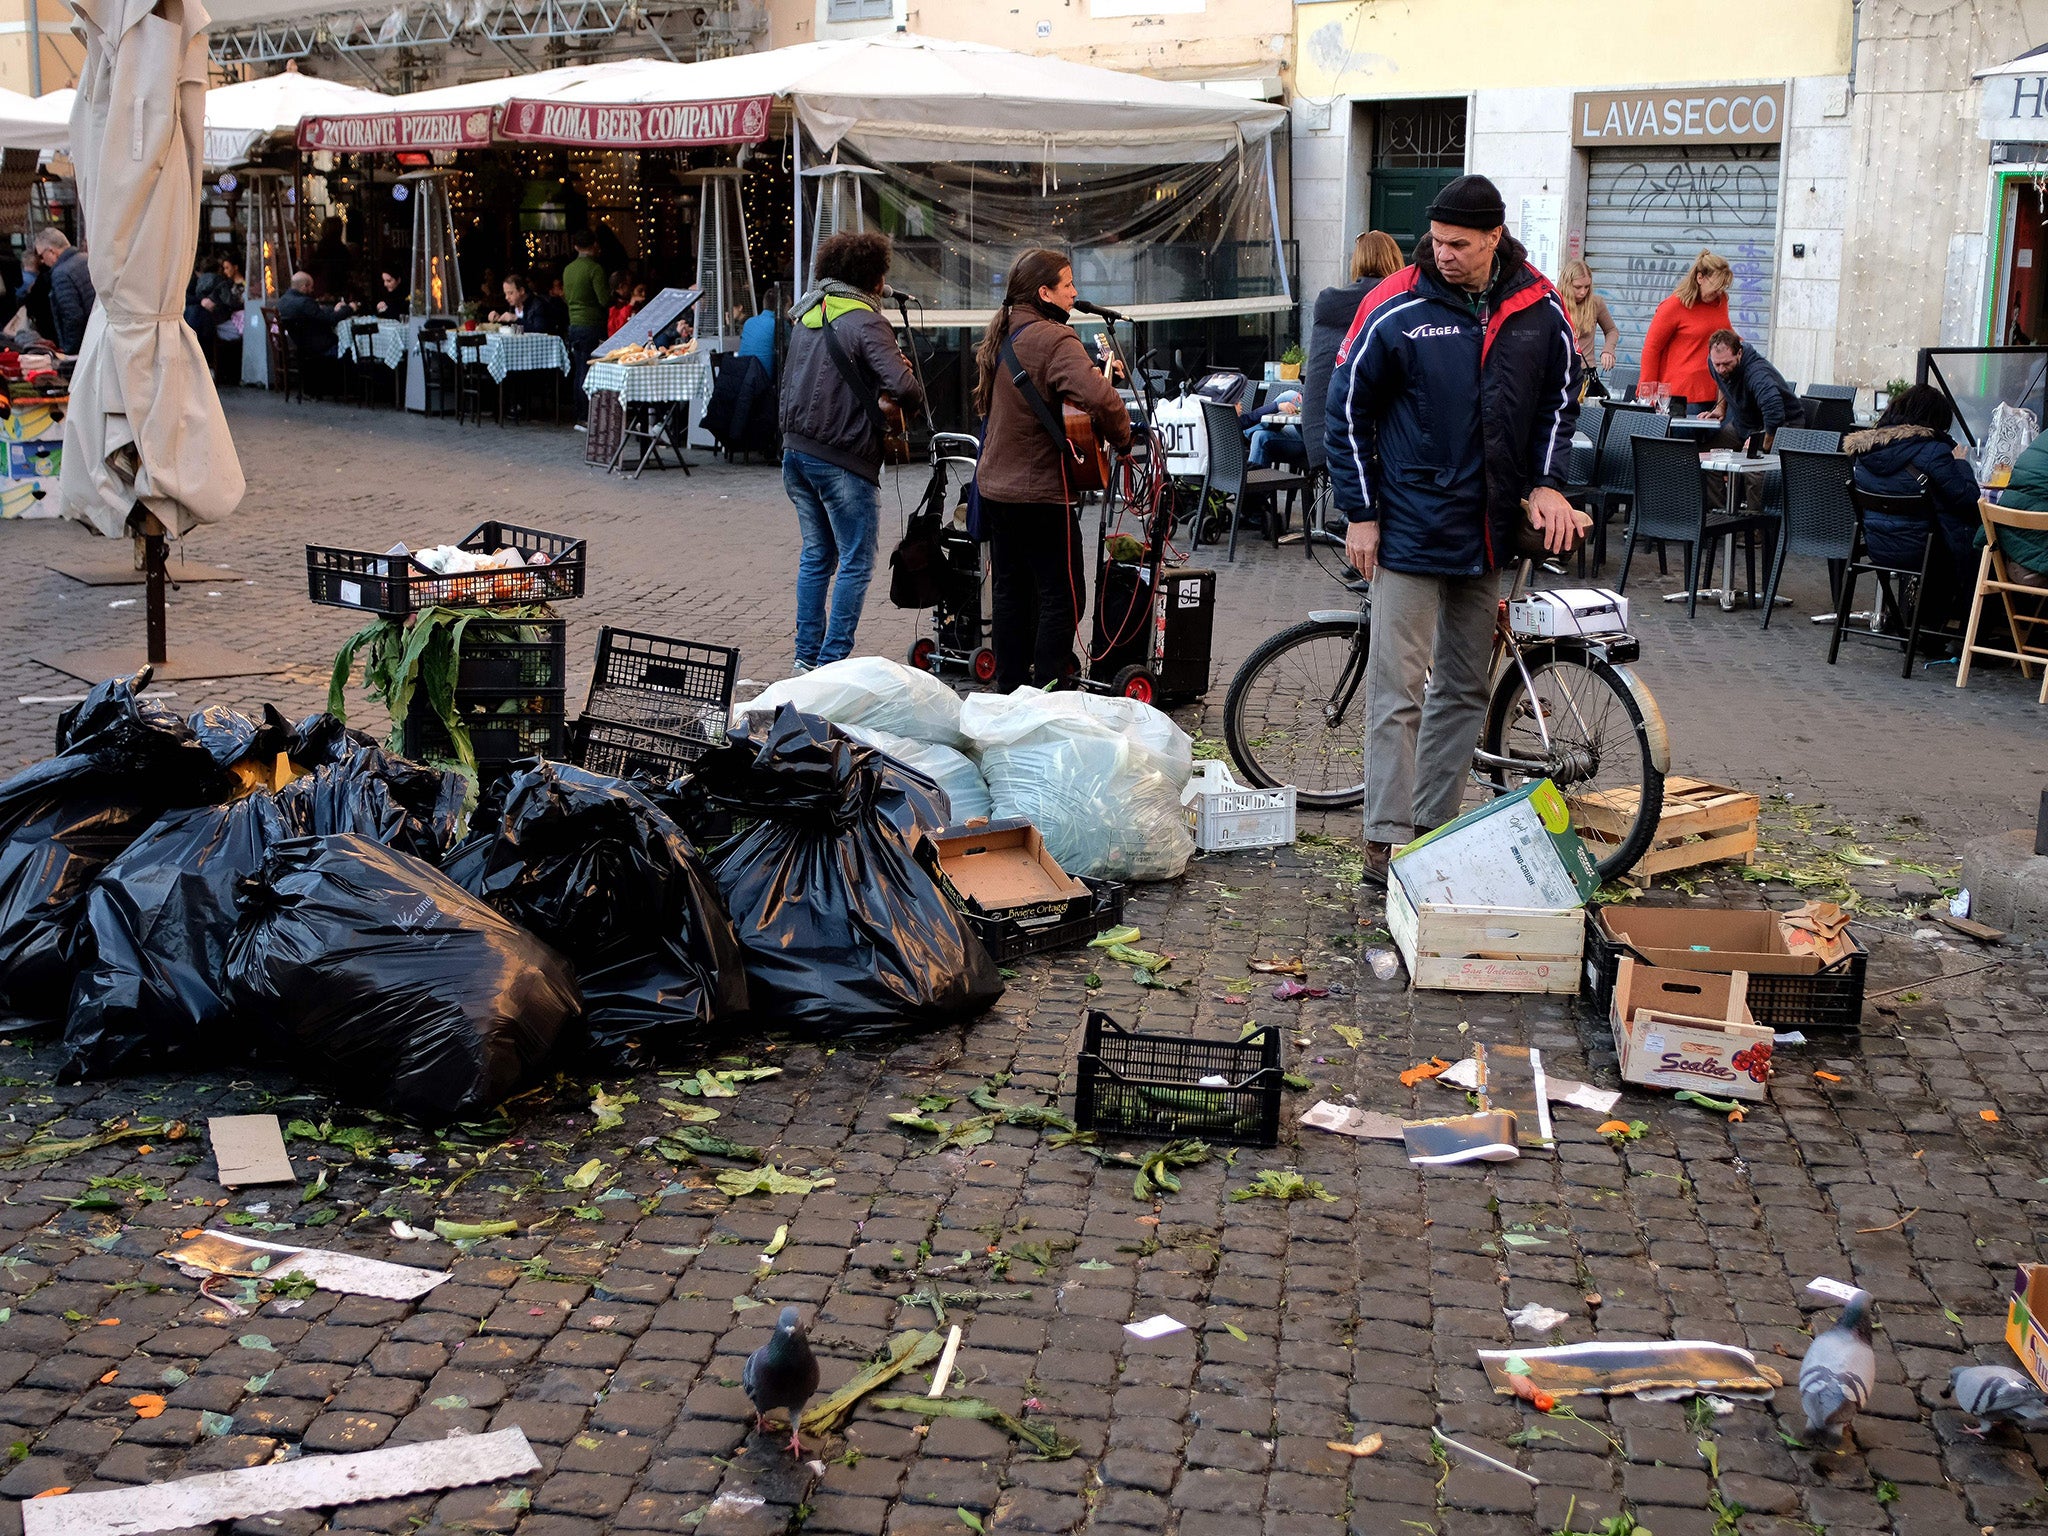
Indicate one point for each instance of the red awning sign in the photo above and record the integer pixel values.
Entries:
(673, 125)
(382, 132)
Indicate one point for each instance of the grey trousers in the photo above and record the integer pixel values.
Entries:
(1425, 697)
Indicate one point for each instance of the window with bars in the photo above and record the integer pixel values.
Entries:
(1420, 135)
(859, 10)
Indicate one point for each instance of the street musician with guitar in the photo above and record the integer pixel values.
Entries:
(1049, 411)
(845, 386)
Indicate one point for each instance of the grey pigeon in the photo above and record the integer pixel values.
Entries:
(783, 1373)
(1836, 1375)
(1997, 1394)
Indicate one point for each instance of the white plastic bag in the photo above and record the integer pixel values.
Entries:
(1186, 434)
(1099, 777)
(954, 772)
(2012, 428)
(872, 691)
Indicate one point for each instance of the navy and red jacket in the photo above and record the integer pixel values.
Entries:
(1447, 408)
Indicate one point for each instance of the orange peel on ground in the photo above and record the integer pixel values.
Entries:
(1436, 1066)
(147, 1405)
(1826, 1077)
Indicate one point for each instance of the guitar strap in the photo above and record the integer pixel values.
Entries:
(1032, 397)
(862, 390)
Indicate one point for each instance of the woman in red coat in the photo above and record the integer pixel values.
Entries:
(1675, 350)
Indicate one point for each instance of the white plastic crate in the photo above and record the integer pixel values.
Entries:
(1224, 814)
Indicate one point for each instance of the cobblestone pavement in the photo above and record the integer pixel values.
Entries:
(612, 1327)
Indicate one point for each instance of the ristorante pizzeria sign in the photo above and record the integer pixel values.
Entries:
(671, 125)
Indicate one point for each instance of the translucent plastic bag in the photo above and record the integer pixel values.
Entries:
(1099, 777)
(872, 691)
(954, 772)
(2012, 428)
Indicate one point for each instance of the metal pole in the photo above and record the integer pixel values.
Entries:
(153, 557)
(35, 47)
(796, 184)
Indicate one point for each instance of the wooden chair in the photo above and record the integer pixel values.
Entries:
(2026, 620)
(470, 378)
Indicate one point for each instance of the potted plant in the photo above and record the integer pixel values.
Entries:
(1291, 361)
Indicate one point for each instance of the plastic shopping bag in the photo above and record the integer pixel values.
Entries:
(880, 694)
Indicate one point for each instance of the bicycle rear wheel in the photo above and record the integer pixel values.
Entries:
(1295, 713)
(1600, 744)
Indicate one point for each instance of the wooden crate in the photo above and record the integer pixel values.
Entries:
(1702, 823)
(1486, 949)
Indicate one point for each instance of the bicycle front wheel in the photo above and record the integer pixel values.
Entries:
(1578, 723)
(1295, 714)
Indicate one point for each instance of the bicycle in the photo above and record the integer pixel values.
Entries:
(1564, 707)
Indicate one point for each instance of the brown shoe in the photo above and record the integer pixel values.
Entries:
(1377, 857)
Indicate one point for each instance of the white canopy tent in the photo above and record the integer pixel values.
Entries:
(243, 119)
(36, 122)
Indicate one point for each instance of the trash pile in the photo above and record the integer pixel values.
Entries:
(222, 889)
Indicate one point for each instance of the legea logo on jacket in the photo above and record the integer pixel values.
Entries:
(1431, 330)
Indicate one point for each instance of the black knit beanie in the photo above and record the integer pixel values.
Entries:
(1471, 202)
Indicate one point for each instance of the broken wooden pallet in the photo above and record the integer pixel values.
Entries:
(1701, 823)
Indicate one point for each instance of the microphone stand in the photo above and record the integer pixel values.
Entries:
(916, 365)
(1155, 446)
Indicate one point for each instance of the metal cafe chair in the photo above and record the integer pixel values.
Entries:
(1671, 504)
(470, 377)
(1819, 520)
(1227, 468)
(1917, 506)
(1614, 483)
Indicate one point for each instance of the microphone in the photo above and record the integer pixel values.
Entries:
(900, 296)
(1089, 307)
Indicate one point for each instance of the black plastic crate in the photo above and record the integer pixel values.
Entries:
(635, 751)
(394, 585)
(498, 737)
(529, 656)
(1132, 1084)
(1006, 939)
(1830, 998)
(655, 683)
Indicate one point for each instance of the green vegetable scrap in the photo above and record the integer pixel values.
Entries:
(768, 1181)
(585, 1176)
(1278, 1184)
(1156, 1171)
(473, 1231)
(608, 1111)
(40, 1149)
(1143, 959)
(1123, 935)
(1031, 1116)
(698, 1140)
(967, 1133)
(907, 1351)
(1047, 1442)
(1706, 1101)
(690, 1114)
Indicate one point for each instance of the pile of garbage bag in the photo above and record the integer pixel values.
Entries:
(869, 691)
(954, 772)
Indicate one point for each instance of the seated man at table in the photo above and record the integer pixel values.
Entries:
(523, 307)
(309, 323)
(1275, 431)
(1909, 453)
(1754, 398)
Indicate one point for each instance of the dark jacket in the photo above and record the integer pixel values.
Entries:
(308, 322)
(37, 303)
(1899, 461)
(1020, 462)
(1335, 309)
(821, 415)
(1755, 397)
(71, 298)
(1447, 408)
(2028, 491)
(533, 316)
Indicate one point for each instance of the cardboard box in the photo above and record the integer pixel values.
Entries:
(2024, 1328)
(1015, 896)
(1485, 949)
(1569, 611)
(1689, 1029)
(1517, 851)
(1720, 939)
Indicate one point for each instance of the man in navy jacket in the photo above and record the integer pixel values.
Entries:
(1448, 428)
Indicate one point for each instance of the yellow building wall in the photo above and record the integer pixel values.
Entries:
(1378, 48)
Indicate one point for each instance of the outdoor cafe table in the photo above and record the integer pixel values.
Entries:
(505, 353)
(389, 346)
(648, 394)
(1729, 462)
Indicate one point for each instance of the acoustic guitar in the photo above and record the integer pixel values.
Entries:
(1088, 458)
(895, 431)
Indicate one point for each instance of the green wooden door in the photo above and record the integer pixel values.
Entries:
(1401, 199)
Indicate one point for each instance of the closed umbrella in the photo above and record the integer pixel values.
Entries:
(146, 449)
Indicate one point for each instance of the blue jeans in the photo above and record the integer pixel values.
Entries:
(841, 518)
(1266, 439)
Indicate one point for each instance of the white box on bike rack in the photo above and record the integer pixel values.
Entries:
(1569, 611)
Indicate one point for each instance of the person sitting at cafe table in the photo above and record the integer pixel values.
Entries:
(2026, 552)
(1755, 399)
(1910, 453)
(523, 307)
(392, 297)
(309, 323)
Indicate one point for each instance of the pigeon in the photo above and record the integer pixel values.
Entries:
(783, 1373)
(1836, 1376)
(1997, 1394)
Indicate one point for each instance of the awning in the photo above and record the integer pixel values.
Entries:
(2012, 102)
(35, 122)
(242, 119)
(894, 98)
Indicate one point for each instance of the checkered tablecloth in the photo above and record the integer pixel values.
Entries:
(675, 380)
(505, 353)
(389, 345)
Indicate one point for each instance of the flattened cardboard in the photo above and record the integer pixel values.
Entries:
(1363, 1124)
(1718, 939)
(1689, 1029)
(225, 1253)
(311, 1482)
(250, 1150)
(1518, 850)
(1515, 1082)
(2025, 1328)
(1487, 1137)
(1003, 870)
(1622, 1368)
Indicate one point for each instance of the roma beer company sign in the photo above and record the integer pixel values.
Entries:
(1710, 114)
(673, 125)
(463, 128)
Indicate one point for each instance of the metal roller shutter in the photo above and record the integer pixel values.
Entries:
(1649, 212)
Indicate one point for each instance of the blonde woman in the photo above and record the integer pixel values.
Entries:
(1374, 258)
(1588, 314)
(1675, 350)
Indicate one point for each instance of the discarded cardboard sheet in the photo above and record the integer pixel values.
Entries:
(312, 1482)
(1559, 1090)
(223, 1253)
(1155, 1327)
(1365, 1124)
(1515, 1083)
(250, 1150)
(1487, 1137)
(1624, 1369)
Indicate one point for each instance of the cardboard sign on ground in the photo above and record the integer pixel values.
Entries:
(1689, 1029)
(225, 1253)
(1518, 850)
(250, 1150)
(2026, 1321)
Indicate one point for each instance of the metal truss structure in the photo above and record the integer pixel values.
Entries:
(393, 45)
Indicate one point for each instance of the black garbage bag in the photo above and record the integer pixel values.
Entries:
(595, 868)
(846, 934)
(361, 788)
(121, 762)
(153, 990)
(370, 969)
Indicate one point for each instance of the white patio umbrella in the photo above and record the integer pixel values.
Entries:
(146, 449)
